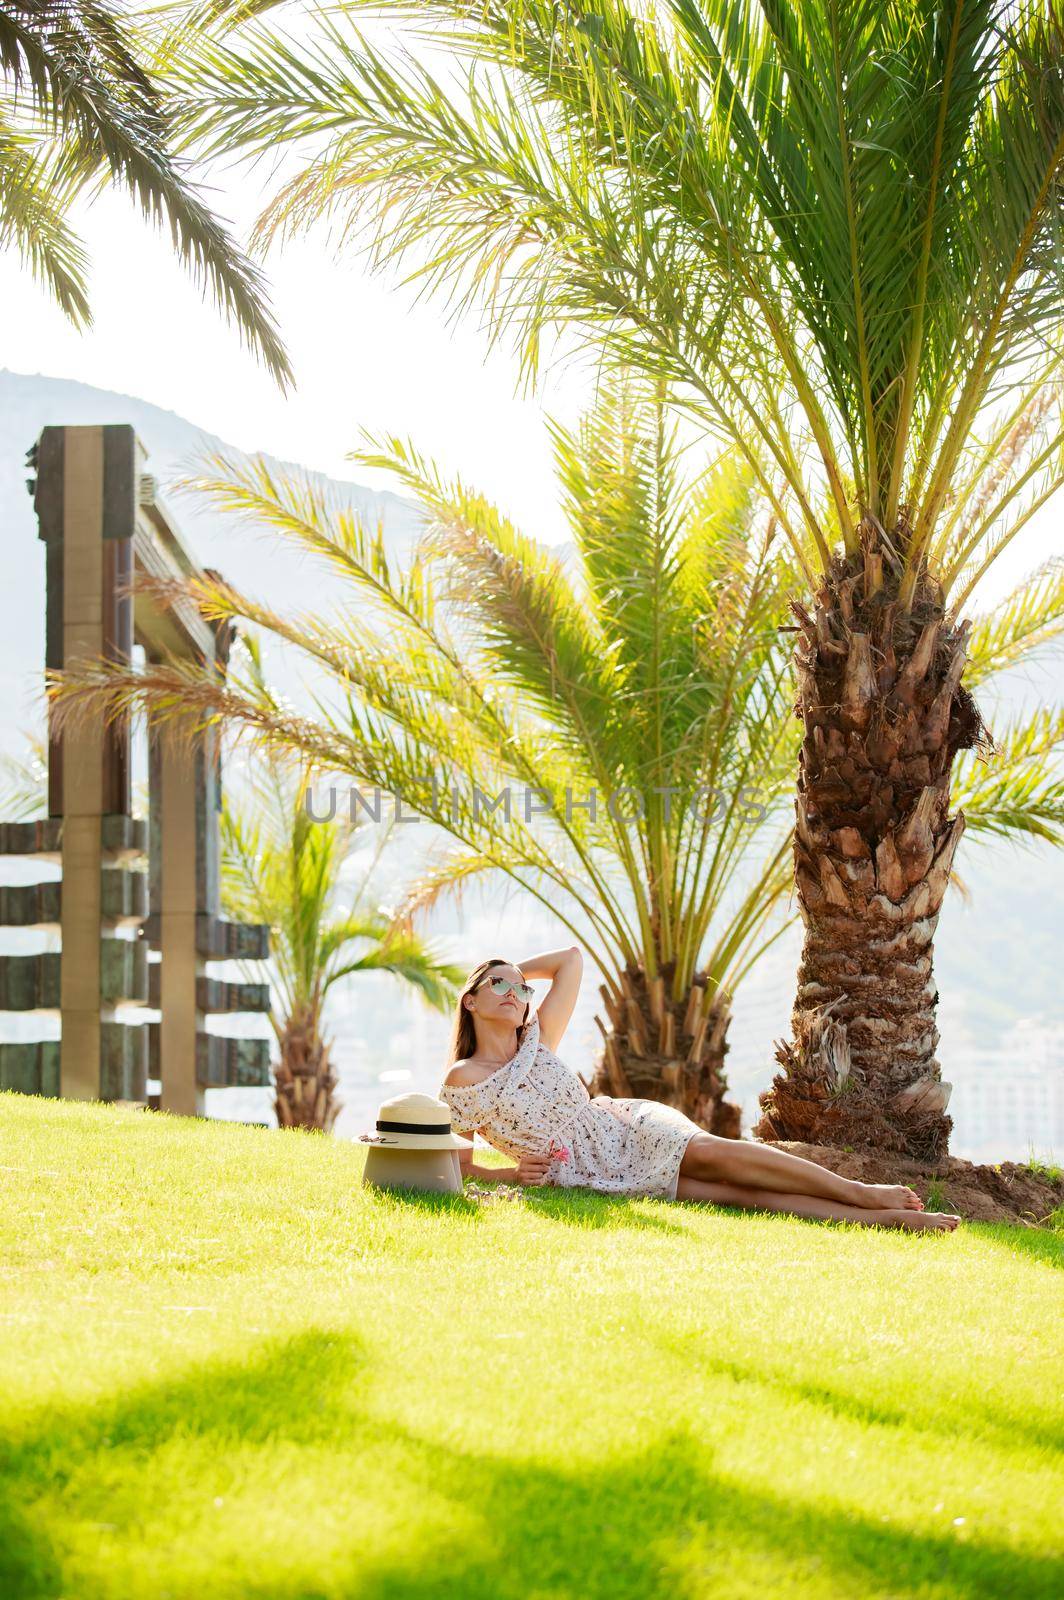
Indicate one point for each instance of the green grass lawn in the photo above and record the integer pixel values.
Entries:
(230, 1370)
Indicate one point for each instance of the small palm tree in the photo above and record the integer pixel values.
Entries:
(79, 108)
(282, 868)
(835, 229)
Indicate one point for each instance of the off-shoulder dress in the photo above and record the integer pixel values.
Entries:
(619, 1146)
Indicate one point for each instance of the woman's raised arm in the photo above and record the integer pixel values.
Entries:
(565, 968)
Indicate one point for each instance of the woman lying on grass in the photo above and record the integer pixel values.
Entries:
(506, 1083)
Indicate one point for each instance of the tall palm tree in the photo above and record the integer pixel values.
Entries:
(835, 229)
(653, 664)
(283, 868)
(79, 109)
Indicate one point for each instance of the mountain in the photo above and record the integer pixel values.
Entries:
(262, 564)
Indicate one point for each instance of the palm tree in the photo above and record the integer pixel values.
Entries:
(282, 868)
(654, 664)
(656, 670)
(80, 109)
(835, 230)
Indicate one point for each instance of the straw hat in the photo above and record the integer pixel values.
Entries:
(416, 1122)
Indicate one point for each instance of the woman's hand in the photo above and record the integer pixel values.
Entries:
(532, 1169)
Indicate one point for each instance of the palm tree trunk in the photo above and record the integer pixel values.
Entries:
(305, 1081)
(884, 711)
(657, 1051)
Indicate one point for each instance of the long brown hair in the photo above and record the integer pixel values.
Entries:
(464, 1035)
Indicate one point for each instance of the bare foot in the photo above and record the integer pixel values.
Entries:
(914, 1221)
(886, 1196)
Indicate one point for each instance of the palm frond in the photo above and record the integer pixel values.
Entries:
(1020, 626)
(405, 955)
(282, 867)
(644, 178)
(74, 75)
(1018, 791)
(24, 782)
(441, 879)
(33, 210)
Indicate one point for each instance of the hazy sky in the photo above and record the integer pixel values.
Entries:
(364, 356)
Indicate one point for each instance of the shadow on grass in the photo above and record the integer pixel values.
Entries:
(592, 1208)
(997, 1427)
(580, 1207)
(651, 1524)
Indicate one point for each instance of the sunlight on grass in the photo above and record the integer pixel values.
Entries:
(231, 1370)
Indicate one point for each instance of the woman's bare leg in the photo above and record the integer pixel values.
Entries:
(711, 1159)
(807, 1205)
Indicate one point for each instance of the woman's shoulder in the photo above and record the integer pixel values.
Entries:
(462, 1075)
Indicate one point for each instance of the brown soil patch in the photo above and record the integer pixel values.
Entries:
(1006, 1192)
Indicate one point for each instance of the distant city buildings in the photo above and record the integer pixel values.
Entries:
(1009, 1097)
(1008, 1089)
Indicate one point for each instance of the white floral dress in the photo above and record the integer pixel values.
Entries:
(617, 1145)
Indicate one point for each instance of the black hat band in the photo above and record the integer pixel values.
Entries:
(414, 1127)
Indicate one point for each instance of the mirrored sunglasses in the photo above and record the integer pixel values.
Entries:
(501, 986)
